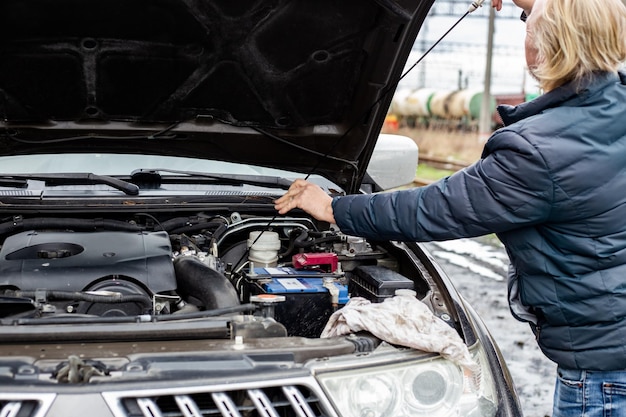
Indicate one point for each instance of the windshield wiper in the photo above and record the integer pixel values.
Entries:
(75, 178)
(153, 175)
(13, 182)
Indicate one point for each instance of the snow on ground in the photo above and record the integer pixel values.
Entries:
(486, 260)
(478, 270)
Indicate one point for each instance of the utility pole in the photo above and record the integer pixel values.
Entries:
(421, 82)
(484, 126)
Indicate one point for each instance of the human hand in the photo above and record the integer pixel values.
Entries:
(525, 5)
(308, 197)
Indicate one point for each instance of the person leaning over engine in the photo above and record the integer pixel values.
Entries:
(552, 185)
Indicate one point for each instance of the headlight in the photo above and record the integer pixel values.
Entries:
(435, 387)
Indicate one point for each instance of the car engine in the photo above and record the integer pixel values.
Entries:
(294, 274)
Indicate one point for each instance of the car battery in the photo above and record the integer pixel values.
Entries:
(310, 296)
(377, 283)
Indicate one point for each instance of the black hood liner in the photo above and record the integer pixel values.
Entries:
(317, 74)
(272, 63)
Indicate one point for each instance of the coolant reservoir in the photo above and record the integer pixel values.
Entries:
(263, 250)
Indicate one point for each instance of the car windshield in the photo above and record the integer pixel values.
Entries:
(124, 164)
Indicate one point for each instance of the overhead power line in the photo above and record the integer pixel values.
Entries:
(452, 47)
(458, 7)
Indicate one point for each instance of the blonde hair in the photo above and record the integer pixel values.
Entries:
(575, 38)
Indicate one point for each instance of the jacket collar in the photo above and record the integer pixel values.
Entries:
(572, 92)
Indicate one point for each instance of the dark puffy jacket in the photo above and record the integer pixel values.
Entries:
(552, 185)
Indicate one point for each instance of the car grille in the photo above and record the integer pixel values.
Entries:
(286, 399)
(17, 405)
(18, 193)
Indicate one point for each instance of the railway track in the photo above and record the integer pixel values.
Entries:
(438, 163)
(441, 163)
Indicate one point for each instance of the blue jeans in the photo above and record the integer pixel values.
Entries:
(589, 393)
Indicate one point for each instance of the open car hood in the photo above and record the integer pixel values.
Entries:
(294, 84)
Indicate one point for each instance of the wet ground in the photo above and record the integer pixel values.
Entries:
(478, 269)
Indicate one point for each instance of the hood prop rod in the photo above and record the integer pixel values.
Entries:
(385, 91)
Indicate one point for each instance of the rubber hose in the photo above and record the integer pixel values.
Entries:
(92, 298)
(198, 283)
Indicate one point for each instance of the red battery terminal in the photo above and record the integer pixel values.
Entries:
(324, 261)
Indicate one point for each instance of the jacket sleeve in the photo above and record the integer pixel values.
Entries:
(509, 187)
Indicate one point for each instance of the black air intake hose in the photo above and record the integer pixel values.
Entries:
(203, 286)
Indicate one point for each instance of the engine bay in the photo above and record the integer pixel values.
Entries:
(284, 276)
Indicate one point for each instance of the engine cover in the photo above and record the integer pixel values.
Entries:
(72, 261)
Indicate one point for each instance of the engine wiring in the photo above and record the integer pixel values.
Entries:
(180, 226)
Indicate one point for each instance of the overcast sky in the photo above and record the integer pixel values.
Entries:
(465, 50)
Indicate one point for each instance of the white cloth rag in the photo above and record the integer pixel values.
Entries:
(401, 320)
